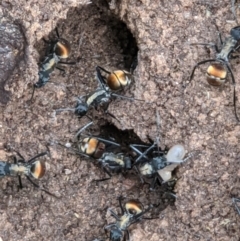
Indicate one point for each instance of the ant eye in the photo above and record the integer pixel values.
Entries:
(38, 169)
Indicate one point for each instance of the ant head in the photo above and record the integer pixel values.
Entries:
(134, 207)
(115, 234)
(235, 33)
(216, 74)
(38, 169)
(92, 147)
(159, 162)
(118, 79)
(81, 109)
(62, 48)
(176, 154)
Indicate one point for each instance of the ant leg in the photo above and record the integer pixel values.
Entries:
(139, 174)
(127, 236)
(42, 189)
(56, 29)
(108, 142)
(234, 103)
(20, 182)
(23, 159)
(120, 204)
(198, 64)
(82, 129)
(108, 173)
(134, 65)
(153, 182)
(125, 97)
(62, 70)
(144, 153)
(98, 68)
(19, 177)
(233, 10)
(67, 63)
(234, 91)
(114, 215)
(100, 78)
(113, 116)
(33, 93)
(235, 200)
(220, 38)
(133, 147)
(35, 157)
(208, 44)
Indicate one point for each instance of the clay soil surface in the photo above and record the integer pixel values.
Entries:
(201, 117)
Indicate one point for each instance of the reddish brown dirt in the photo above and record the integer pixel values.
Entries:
(201, 117)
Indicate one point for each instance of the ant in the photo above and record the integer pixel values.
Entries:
(217, 71)
(56, 51)
(132, 213)
(102, 96)
(31, 169)
(105, 152)
(160, 167)
(158, 164)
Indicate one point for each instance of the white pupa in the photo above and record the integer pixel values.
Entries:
(175, 156)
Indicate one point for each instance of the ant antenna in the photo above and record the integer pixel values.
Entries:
(125, 97)
(34, 87)
(82, 129)
(158, 128)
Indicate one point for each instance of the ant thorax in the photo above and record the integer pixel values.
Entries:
(16, 169)
(49, 62)
(124, 221)
(146, 169)
(227, 48)
(110, 157)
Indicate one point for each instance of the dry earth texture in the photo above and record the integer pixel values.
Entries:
(201, 117)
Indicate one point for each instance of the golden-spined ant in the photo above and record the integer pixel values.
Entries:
(100, 98)
(217, 71)
(107, 153)
(160, 165)
(56, 51)
(157, 164)
(131, 213)
(31, 169)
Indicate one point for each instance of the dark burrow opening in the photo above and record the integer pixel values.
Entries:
(97, 37)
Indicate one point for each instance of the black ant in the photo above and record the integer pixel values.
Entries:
(56, 51)
(105, 152)
(217, 71)
(31, 169)
(131, 213)
(158, 164)
(161, 166)
(101, 97)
